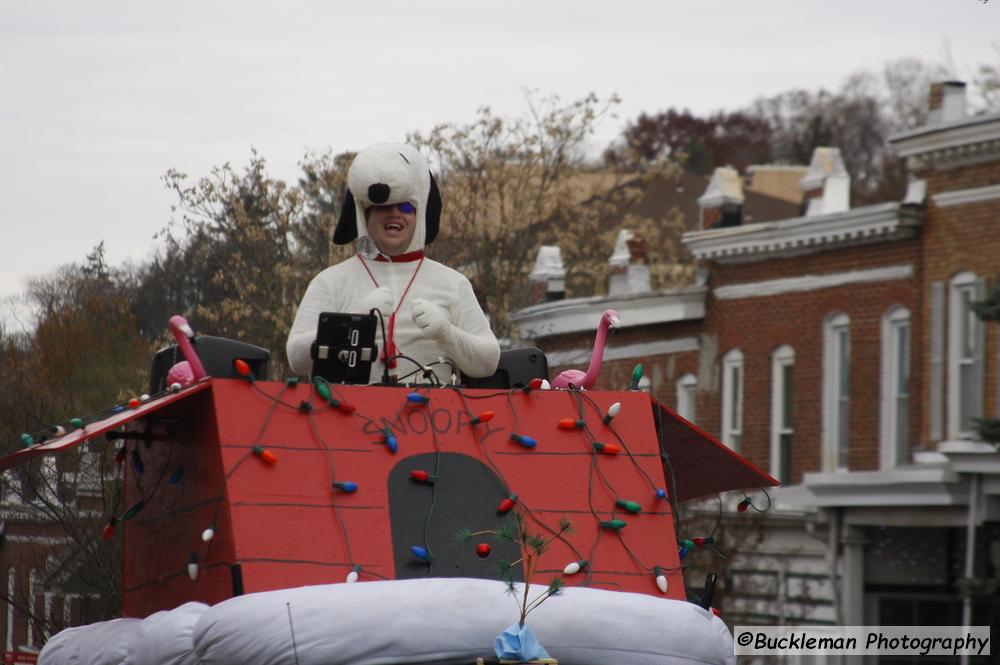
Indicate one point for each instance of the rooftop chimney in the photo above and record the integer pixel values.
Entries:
(629, 272)
(722, 202)
(827, 186)
(947, 102)
(548, 277)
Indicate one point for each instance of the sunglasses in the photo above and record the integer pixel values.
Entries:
(405, 207)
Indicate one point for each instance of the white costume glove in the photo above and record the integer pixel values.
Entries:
(380, 299)
(431, 319)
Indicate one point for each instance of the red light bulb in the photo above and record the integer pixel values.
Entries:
(265, 455)
(483, 417)
(483, 550)
(507, 504)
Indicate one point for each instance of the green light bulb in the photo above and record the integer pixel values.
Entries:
(323, 390)
(636, 377)
(630, 506)
(134, 510)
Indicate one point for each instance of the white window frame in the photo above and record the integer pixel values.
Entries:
(966, 342)
(33, 586)
(687, 391)
(781, 425)
(732, 399)
(897, 369)
(836, 392)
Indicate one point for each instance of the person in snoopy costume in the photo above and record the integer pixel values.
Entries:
(392, 208)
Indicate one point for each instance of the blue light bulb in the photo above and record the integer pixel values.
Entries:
(417, 398)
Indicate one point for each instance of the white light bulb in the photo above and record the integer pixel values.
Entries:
(661, 583)
(175, 387)
(144, 397)
(193, 571)
(208, 534)
(614, 409)
(572, 569)
(545, 385)
(352, 577)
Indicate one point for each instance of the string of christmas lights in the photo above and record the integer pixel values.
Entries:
(332, 400)
(512, 498)
(336, 485)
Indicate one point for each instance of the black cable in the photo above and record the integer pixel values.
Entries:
(621, 441)
(751, 504)
(424, 369)
(333, 477)
(385, 346)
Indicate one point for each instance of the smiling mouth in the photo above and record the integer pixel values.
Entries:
(393, 227)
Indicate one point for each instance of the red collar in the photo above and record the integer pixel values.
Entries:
(402, 258)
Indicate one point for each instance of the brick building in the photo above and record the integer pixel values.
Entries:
(838, 350)
(52, 556)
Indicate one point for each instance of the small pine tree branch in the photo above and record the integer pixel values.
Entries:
(536, 543)
(509, 529)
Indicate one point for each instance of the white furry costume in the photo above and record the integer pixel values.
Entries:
(450, 324)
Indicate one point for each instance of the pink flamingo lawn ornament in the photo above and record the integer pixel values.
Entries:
(189, 370)
(574, 378)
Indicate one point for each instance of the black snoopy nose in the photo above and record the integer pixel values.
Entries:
(379, 193)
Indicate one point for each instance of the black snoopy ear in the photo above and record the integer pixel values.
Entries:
(347, 225)
(433, 216)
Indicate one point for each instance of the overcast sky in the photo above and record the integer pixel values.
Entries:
(99, 98)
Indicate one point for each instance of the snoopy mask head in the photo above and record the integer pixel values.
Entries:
(385, 174)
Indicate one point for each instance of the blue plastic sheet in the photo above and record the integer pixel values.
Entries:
(518, 643)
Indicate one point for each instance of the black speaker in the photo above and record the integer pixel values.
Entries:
(345, 347)
(217, 355)
(516, 368)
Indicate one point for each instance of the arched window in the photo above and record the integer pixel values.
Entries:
(732, 399)
(782, 429)
(894, 428)
(687, 389)
(836, 391)
(966, 342)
